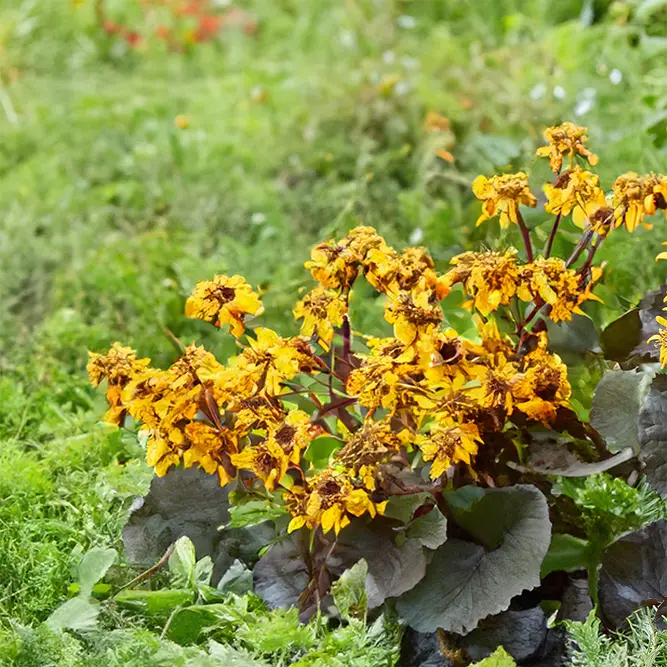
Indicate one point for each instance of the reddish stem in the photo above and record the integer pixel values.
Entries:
(525, 234)
(552, 236)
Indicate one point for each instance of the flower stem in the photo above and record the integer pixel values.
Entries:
(525, 234)
(552, 236)
(583, 242)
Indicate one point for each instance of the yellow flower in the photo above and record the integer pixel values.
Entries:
(657, 193)
(543, 388)
(270, 360)
(660, 340)
(390, 272)
(549, 281)
(336, 264)
(502, 195)
(379, 381)
(630, 201)
(565, 140)
(448, 442)
(575, 191)
(373, 443)
(212, 449)
(413, 314)
(267, 460)
(329, 501)
(490, 278)
(119, 366)
(496, 386)
(224, 300)
(661, 255)
(321, 309)
(434, 122)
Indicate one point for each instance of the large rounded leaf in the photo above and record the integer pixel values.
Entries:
(634, 572)
(653, 435)
(465, 582)
(616, 404)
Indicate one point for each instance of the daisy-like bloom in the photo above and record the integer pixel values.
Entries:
(496, 385)
(657, 193)
(490, 278)
(211, 449)
(321, 309)
(119, 366)
(375, 442)
(224, 300)
(575, 191)
(565, 140)
(660, 340)
(630, 200)
(448, 442)
(331, 499)
(336, 264)
(270, 359)
(563, 289)
(413, 314)
(381, 379)
(543, 388)
(284, 442)
(502, 195)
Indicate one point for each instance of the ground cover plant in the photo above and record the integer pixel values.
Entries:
(160, 165)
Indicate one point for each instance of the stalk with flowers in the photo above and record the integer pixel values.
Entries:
(415, 451)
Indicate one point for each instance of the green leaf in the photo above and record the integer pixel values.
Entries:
(617, 401)
(93, 567)
(429, 529)
(182, 563)
(466, 582)
(79, 613)
(349, 592)
(499, 659)
(566, 553)
(402, 508)
(237, 579)
(464, 498)
(188, 623)
(159, 603)
(320, 450)
(254, 512)
(203, 572)
(232, 657)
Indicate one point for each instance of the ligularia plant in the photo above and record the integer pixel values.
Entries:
(416, 452)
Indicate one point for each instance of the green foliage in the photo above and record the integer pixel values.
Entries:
(610, 507)
(641, 645)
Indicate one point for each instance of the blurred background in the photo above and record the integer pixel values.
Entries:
(148, 144)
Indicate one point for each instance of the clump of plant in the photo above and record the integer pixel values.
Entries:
(427, 453)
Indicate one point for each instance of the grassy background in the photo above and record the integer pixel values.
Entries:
(109, 213)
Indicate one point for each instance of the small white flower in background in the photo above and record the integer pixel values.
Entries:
(347, 38)
(538, 91)
(389, 57)
(257, 218)
(583, 107)
(405, 21)
(616, 76)
(402, 88)
(417, 235)
(559, 92)
(410, 63)
(585, 101)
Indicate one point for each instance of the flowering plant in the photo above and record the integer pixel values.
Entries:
(429, 454)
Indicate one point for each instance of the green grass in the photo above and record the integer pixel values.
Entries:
(109, 213)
